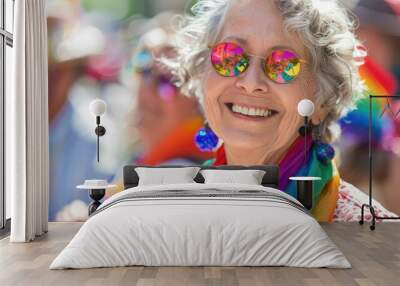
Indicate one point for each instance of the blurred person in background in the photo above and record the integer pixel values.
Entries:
(84, 64)
(379, 31)
(165, 120)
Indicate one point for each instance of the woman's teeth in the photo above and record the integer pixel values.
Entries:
(252, 111)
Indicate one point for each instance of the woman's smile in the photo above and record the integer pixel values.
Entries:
(250, 112)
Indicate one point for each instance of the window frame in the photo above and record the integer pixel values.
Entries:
(6, 39)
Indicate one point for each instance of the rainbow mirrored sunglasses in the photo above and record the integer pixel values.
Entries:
(143, 63)
(230, 60)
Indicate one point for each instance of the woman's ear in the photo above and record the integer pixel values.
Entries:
(319, 114)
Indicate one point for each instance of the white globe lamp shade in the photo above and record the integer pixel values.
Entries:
(98, 107)
(305, 107)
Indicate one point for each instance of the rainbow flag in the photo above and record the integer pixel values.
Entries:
(355, 125)
(377, 80)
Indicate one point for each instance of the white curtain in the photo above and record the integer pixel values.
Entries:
(27, 152)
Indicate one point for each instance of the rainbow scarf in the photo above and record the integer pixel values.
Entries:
(326, 190)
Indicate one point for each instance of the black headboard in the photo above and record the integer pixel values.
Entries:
(270, 179)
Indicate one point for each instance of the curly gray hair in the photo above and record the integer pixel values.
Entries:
(324, 27)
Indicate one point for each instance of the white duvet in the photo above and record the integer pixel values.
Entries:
(183, 231)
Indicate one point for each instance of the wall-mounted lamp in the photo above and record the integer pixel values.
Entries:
(305, 108)
(98, 107)
(305, 184)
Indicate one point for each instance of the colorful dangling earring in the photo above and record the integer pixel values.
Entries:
(324, 151)
(205, 138)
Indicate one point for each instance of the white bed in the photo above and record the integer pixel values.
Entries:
(201, 224)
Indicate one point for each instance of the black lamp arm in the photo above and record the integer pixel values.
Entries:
(100, 131)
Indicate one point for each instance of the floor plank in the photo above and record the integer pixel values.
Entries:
(374, 255)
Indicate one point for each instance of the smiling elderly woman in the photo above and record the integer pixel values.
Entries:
(250, 63)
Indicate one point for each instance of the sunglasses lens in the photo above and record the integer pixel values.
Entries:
(166, 91)
(282, 66)
(229, 59)
(142, 61)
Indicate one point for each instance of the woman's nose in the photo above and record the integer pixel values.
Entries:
(253, 80)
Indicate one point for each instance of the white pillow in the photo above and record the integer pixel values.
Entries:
(163, 176)
(248, 177)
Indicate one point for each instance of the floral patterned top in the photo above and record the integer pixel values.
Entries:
(349, 204)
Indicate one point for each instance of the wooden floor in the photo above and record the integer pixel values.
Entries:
(374, 255)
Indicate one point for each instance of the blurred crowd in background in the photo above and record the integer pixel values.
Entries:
(108, 50)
